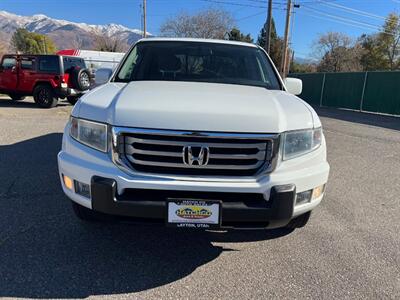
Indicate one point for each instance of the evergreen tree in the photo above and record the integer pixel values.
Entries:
(276, 43)
(236, 35)
(26, 42)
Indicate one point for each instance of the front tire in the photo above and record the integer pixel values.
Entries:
(44, 96)
(299, 221)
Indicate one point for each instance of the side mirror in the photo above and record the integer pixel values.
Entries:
(102, 76)
(293, 85)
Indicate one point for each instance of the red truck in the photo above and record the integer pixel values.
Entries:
(45, 77)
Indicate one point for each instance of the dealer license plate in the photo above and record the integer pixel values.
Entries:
(194, 213)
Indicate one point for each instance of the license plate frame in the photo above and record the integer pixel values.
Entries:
(195, 213)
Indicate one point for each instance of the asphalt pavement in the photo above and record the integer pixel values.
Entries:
(349, 250)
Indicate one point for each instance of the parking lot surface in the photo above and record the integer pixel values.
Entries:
(349, 250)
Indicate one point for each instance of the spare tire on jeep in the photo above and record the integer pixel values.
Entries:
(80, 79)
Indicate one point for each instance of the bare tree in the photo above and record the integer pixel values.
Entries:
(330, 41)
(77, 42)
(109, 44)
(3, 49)
(337, 53)
(210, 23)
(4, 44)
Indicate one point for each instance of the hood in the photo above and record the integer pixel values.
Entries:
(195, 106)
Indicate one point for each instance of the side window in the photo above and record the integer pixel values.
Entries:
(67, 64)
(9, 63)
(49, 64)
(27, 63)
(71, 62)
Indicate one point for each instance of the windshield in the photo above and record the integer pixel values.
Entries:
(200, 62)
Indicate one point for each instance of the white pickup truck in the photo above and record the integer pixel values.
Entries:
(195, 133)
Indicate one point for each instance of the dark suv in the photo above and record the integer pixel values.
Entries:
(46, 77)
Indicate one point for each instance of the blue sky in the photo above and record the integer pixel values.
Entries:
(353, 17)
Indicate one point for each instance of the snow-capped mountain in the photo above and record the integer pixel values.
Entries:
(64, 33)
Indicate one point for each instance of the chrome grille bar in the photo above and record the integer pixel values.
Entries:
(171, 142)
(178, 165)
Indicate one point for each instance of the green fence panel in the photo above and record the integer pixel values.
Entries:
(343, 90)
(312, 86)
(382, 93)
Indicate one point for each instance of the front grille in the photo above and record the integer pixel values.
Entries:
(163, 152)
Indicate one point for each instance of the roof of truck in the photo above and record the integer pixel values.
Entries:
(227, 42)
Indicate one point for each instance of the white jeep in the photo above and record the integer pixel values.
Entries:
(195, 133)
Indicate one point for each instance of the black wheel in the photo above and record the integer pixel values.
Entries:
(44, 96)
(81, 79)
(72, 99)
(299, 221)
(86, 214)
(16, 97)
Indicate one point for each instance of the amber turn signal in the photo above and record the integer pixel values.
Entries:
(68, 182)
(318, 191)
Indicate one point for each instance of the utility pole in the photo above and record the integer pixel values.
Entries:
(44, 45)
(286, 39)
(267, 45)
(144, 18)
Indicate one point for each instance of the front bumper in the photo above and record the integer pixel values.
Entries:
(277, 212)
(110, 187)
(66, 92)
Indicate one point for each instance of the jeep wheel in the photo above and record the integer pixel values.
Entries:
(44, 96)
(88, 215)
(72, 99)
(299, 221)
(16, 97)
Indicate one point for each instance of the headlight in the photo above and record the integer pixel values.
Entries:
(90, 133)
(299, 142)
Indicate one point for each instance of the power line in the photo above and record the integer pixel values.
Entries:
(247, 17)
(236, 3)
(344, 21)
(353, 10)
(233, 3)
(328, 19)
(323, 13)
(264, 1)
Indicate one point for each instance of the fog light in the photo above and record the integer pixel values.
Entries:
(303, 197)
(68, 182)
(82, 189)
(318, 191)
